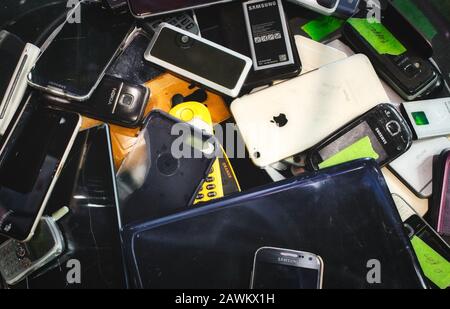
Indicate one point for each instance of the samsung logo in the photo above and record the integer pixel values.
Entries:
(262, 5)
(383, 139)
(286, 260)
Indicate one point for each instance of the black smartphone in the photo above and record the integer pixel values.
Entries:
(401, 66)
(275, 268)
(382, 134)
(257, 29)
(165, 170)
(131, 65)
(75, 61)
(114, 101)
(30, 164)
(91, 228)
(432, 251)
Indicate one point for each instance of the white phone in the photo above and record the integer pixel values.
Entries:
(16, 84)
(397, 187)
(415, 167)
(429, 118)
(291, 117)
(315, 55)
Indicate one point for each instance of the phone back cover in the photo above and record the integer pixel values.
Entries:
(151, 182)
(344, 214)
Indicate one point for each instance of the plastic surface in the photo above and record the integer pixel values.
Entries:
(152, 181)
(348, 225)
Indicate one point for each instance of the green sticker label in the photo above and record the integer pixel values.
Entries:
(378, 36)
(434, 266)
(416, 17)
(321, 27)
(359, 150)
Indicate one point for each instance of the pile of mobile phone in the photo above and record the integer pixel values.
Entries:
(121, 116)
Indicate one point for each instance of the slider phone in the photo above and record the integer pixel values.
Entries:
(165, 170)
(199, 60)
(146, 8)
(114, 101)
(18, 260)
(74, 63)
(16, 61)
(401, 62)
(340, 8)
(257, 29)
(429, 118)
(271, 125)
(432, 251)
(30, 164)
(381, 134)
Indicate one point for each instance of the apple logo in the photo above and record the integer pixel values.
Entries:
(280, 120)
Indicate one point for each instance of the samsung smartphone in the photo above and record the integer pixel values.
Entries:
(271, 125)
(18, 260)
(432, 251)
(114, 101)
(16, 61)
(30, 163)
(415, 167)
(146, 8)
(411, 75)
(340, 8)
(275, 268)
(429, 118)
(199, 60)
(75, 61)
(381, 134)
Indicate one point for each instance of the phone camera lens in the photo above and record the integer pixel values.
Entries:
(185, 41)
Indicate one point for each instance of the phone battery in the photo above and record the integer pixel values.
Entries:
(268, 34)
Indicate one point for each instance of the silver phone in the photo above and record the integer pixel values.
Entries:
(18, 260)
(276, 268)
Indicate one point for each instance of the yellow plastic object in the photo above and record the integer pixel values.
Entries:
(167, 87)
(198, 116)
